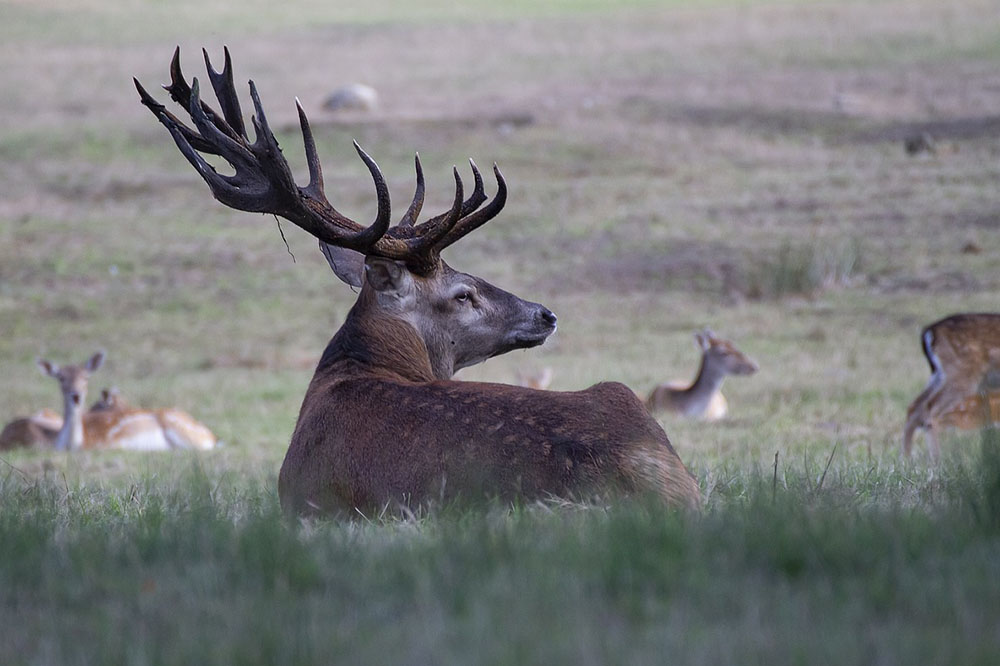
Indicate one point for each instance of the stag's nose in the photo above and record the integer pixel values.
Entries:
(548, 316)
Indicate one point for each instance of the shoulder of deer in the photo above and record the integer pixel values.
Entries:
(480, 406)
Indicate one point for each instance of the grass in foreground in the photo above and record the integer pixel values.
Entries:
(873, 565)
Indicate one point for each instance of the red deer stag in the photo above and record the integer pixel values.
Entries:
(703, 398)
(382, 422)
(964, 389)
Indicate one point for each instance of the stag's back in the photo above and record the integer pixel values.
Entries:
(466, 439)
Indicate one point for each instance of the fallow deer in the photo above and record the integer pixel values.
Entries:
(180, 429)
(539, 378)
(382, 422)
(963, 351)
(703, 398)
(36, 431)
(111, 398)
(110, 424)
(41, 429)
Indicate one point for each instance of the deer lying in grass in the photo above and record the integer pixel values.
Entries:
(48, 429)
(382, 422)
(963, 392)
(41, 429)
(180, 429)
(703, 398)
(111, 424)
(36, 431)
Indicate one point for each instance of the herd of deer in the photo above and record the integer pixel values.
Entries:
(383, 422)
(110, 423)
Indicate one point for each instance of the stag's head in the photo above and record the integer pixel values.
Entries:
(462, 319)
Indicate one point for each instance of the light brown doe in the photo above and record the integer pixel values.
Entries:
(702, 398)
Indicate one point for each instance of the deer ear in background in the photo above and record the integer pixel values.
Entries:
(47, 367)
(94, 362)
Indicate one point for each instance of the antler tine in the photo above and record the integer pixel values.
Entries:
(413, 212)
(478, 195)
(158, 110)
(480, 217)
(381, 224)
(425, 245)
(220, 185)
(180, 92)
(475, 199)
(309, 209)
(225, 91)
(315, 187)
(233, 151)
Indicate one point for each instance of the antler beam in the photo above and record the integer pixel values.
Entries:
(263, 181)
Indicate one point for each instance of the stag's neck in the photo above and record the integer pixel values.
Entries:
(70, 436)
(376, 342)
(706, 384)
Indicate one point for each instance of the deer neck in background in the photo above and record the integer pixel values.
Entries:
(708, 382)
(70, 436)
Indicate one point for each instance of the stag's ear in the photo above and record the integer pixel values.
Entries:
(387, 275)
(348, 265)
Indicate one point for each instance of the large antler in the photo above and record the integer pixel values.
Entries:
(263, 182)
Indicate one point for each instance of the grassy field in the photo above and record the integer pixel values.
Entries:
(672, 165)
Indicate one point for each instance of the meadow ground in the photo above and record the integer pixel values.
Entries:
(672, 165)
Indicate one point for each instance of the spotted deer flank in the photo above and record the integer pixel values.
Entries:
(963, 391)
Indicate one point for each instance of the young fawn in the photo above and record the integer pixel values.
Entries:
(703, 397)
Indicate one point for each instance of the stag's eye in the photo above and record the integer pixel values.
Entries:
(463, 297)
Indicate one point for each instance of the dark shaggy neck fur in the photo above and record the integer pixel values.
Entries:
(377, 342)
